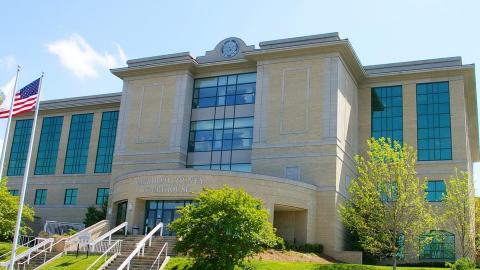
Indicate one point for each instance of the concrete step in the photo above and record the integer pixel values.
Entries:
(150, 253)
(38, 260)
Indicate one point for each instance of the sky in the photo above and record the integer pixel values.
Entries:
(76, 42)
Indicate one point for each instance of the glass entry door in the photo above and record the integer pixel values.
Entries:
(162, 211)
(121, 213)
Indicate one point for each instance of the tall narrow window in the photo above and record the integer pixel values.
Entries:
(40, 197)
(106, 142)
(434, 139)
(48, 145)
(19, 150)
(78, 143)
(387, 113)
(102, 196)
(71, 196)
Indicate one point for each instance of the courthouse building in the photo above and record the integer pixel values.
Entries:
(282, 120)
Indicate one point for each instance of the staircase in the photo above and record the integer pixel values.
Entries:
(141, 262)
(38, 258)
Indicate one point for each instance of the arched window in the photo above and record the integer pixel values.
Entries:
(437, 245)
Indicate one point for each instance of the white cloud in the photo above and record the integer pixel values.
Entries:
(121, 54)
(79, 57)
(8, 62)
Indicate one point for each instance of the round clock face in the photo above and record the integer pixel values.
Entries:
(230, 48)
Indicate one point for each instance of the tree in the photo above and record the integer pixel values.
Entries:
(94, 215)
(458, 204)
(9, 211)
(223, 227)
(386, 207)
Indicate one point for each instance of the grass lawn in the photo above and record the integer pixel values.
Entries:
(179, 263)
(6, 247)
(72, 263)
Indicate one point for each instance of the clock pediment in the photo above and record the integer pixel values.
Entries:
(227, 49)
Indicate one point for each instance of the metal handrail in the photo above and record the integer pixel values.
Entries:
(118, 248)
(22, 237)
(157, 260)
(44, 251)
(141, 246)
(57, 224)
(109, 234)
(31, 250)
(90, 229)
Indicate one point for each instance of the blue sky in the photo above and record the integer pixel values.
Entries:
(75, 42)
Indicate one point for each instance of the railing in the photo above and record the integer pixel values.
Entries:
(108, 235)
(114, 249)
(59, 227)
(39, 243)
(140, 249)
(157, 260)
(23, 264)
(70, 243)
(25, 241)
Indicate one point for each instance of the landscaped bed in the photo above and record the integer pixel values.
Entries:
(71, 262)
(182, 263)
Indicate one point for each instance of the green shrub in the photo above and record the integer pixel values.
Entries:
(70, 232)
(462, 264)
(222, 228)
(94, 215)
(8, 214)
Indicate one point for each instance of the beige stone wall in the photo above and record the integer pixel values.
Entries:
(154, 122)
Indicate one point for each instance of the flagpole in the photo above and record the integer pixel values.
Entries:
(25, 179)
(5, 138)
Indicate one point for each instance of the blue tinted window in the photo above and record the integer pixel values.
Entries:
(40, 196)
(71, 196)
(439, 246)
(102, 196)
(435, 190)
(434, 141)
(106, 142)
(14, 192)
(224, 90)
(387, 113)
(48, 145)
(78, 143)
(19, 150)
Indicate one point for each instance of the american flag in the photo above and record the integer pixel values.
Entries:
(25, 100)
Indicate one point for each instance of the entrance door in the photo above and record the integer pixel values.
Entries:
(162, 211)
(121, 213)
(167, 218)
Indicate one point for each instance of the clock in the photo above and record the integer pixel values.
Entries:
(229, 48)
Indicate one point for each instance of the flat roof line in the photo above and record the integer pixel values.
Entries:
(81, 101)
(286, 42)
(414, 65)
(166, 58)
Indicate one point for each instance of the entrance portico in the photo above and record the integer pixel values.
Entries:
(146, 198)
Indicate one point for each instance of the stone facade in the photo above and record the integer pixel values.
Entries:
(312, 115)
